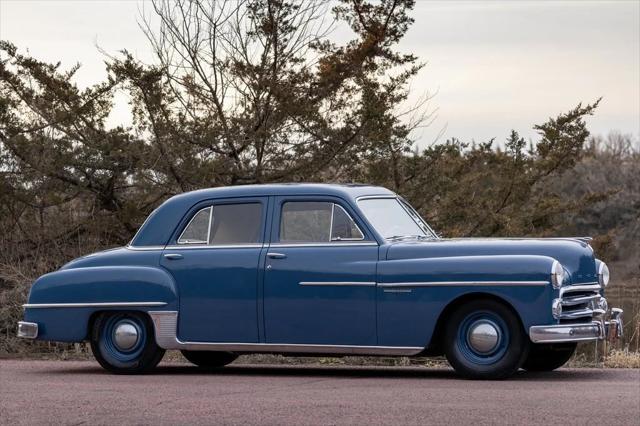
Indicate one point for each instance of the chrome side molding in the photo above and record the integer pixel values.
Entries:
(338, 283)
(165, 324)
(93, 305)
(464, 283)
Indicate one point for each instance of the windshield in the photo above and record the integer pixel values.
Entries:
(394, 219)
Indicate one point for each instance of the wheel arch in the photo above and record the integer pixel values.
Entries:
(94, 316)
(435, 345)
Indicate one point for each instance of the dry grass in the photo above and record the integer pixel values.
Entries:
(622, 359)
(625, 294)
(616, 358)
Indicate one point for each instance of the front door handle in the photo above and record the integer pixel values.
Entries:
(276, 255)
(173, 256)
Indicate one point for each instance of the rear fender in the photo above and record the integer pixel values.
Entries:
(63, 302)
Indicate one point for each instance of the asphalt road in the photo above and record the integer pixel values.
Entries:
(37, 392)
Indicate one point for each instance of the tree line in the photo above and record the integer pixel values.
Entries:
(257, 91)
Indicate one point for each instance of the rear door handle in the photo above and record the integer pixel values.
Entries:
(276, 255)
(173, 256)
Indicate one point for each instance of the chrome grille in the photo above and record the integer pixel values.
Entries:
(581, 302)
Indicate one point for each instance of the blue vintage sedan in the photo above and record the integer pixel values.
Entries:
(303, 269)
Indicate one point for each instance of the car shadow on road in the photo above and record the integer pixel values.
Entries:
(369, 372)
(342, 371)
(313, 371)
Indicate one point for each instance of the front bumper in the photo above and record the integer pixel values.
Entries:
(595, 330)
(27, 330)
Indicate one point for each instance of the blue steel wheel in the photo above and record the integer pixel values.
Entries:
(124, 342)
(484, 339)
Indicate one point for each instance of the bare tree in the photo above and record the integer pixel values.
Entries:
(258, 93)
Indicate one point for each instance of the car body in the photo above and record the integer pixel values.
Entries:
(322, 269)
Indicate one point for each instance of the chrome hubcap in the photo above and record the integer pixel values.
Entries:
(125, 336)
(483, 337)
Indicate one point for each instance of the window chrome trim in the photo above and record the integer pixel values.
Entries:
(92, 305)
(341, 243)
(165, 325)
(208, 227)
(338, 283)
(462, 283)
(331, 244)
(213, 247)
(189, 224)
(333, 211)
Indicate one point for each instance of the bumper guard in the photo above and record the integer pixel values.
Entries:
(27, 330)
(595, 330)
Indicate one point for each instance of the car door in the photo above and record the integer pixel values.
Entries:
(320, 274)
(214, 259)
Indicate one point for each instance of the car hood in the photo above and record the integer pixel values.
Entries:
(574, 254)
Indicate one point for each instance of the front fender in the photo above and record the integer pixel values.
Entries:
(415, 292)
(63, 302)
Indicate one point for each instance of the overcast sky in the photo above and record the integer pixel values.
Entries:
(494, 65)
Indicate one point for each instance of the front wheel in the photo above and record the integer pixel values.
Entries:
(124, 342)
(484, 339)
(548, 357)
(209, 359)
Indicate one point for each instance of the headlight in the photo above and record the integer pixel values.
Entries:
(557, 274)
(603, 274)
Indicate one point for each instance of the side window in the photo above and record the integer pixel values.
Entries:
(311, 221)
(236, 224)
(343, 227)
(224, 224)
(197, 231)
(305, 221)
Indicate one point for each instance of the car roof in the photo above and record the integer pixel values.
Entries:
(158, 228)
(352, 190)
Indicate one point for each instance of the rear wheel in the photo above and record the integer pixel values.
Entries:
(209, 359)
(124, 342)
(484, 339)
(548, 357)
